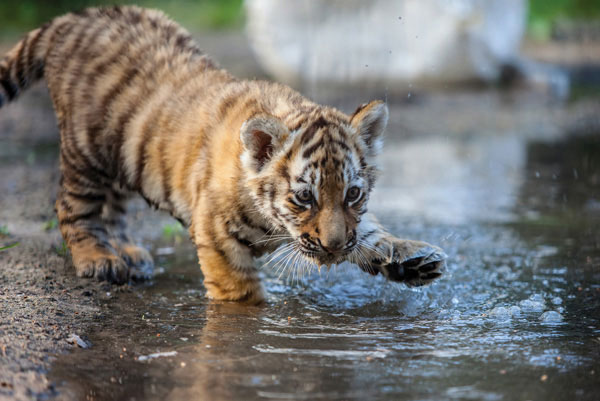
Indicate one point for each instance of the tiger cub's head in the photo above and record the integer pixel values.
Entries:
(315, 181)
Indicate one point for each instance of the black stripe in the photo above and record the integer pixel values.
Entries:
(36, 72)
(117, 207)
(246, 220)
(340, 144)
(65, 205)
(81, 236)
(118, 222)
(368, 234)
(118, 162)
(314, 127)
(70, 220)
(87, 197)
(147, 131)
(311, 149)
(242, 241)
(19, 64)
(9, 87)
(165, 170)
(91, 176)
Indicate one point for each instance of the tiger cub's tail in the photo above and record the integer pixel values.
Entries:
(23, 64)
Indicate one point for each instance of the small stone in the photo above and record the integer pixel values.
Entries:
(76, 340)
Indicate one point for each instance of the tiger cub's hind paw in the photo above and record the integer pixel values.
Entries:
(139, 261)
(102, 264)
(416, 268)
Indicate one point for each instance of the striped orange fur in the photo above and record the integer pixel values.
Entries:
(246, 165)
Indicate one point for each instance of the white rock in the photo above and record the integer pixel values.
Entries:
(156, 355)
(75, 339)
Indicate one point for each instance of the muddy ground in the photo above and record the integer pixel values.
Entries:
(42, 303)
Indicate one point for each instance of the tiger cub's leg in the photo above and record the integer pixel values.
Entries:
(137, 258)
(415, 263)
(79, 207)
(226, 263)
(226, 282)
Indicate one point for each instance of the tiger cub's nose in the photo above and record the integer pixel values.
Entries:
(332, 245)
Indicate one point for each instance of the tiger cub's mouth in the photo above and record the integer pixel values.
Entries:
(321, 258)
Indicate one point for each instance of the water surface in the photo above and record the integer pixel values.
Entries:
(517, 316)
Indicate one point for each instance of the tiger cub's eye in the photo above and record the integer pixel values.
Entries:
(352, 194)
(305, 196)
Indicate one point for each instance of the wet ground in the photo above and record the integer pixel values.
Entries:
(517, 317)
(508, 183)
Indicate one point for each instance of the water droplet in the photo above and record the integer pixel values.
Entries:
(529, 305)
(537, 298)
(551, 317)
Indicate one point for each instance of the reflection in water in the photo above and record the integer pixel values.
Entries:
(517, 317)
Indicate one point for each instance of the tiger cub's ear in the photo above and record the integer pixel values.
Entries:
(261, 136)
(370, 120)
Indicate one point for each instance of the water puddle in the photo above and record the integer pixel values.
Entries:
(516, 317)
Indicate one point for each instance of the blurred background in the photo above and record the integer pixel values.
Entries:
(469, 82)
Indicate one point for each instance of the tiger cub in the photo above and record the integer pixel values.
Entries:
(246, 165)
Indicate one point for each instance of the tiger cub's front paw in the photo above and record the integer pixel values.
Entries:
(414, 263)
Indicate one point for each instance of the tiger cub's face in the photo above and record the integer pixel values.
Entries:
(315, 182)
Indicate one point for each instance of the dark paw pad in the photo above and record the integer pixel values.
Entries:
(420, 269)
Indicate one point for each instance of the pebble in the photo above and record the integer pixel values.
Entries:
(156, 355)
(75, 339)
